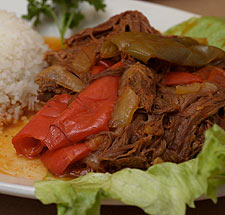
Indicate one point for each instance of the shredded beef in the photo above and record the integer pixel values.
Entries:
(88, 43)
(143, 81)
(172, 130)
(129, 21)
(165, 127)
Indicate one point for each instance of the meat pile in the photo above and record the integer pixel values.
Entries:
(165, 127)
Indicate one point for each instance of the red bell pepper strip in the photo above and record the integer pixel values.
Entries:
(101, 66)
(57, 161)
(28, 141)
(217, 75)
(213, 74)
(180, 78)
(88, 114)
(97, 69)
(203, 73)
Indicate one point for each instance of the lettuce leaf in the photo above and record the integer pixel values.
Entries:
(164, 189)
(211, 28)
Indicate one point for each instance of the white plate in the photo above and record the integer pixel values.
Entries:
(160, 17)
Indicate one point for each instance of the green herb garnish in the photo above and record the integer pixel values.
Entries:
(66, 13)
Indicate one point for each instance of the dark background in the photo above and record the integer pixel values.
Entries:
(20, 206)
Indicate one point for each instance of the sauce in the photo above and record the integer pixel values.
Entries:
(14, 165)
(53, 43)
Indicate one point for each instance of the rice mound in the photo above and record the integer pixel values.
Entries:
(21, 58)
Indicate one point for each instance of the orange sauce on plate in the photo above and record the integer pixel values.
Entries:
(53, 43)
(13, 164)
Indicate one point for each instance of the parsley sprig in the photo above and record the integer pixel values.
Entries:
(66, 13)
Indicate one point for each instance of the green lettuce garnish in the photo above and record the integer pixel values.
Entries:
(211, 28)
(164, 189)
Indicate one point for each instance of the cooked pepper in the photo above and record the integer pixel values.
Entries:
(212, 74)
(109, 50)
(57, 161)
(203, 73)
(61, 77)
(101, 66)
(87, 114)
(97, 69)
(188, 88)
(205, 87)
(28, 141)
(181, 51)
(217, 75)
(126, 105)
(180, 78)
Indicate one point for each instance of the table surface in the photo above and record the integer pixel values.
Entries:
(20, 206)
(202, 7)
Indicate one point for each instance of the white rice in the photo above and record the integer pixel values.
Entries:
(21, 58)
